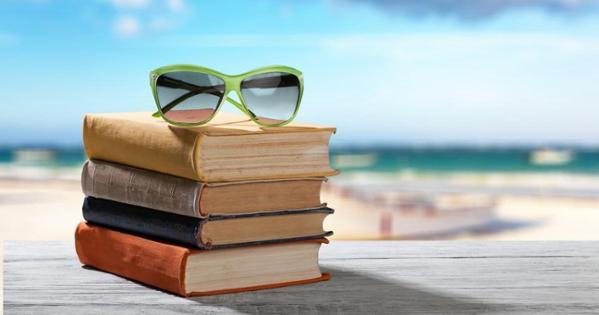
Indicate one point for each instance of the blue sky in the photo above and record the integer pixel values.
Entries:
(428, 72)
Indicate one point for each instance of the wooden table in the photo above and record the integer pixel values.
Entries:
(391, 277)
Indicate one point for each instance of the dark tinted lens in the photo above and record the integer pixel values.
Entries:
(272, 97)
(189, 97)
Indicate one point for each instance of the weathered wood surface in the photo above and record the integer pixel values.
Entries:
(368, 278)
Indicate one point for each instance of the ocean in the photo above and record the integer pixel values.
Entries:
(479, 160)
(378, 160)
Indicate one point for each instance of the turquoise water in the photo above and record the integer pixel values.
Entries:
(382, 160)
(465, 160)
(59, 157)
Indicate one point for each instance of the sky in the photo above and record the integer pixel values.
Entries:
(431, 72)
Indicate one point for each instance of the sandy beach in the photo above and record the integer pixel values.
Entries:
(517, 218)
(49, 209)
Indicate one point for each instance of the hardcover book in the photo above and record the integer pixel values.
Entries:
(211, 232)
(183, 196)
(228, 148)
(188, 272)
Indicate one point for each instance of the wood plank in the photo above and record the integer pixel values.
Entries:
(428, 277)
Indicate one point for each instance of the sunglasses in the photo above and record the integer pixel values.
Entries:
(188, 95)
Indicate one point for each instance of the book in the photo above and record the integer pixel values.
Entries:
(189, 272)
(183, 196)
(211, 232)
(229, 148)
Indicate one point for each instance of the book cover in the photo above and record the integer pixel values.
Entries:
(229, 148)
(183, 196)
(212, 232)
(167, 266)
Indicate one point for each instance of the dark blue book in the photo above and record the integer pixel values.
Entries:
(215, 231)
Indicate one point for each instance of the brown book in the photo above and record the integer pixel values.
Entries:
(229, 148)
(189, 272)
(187, 197)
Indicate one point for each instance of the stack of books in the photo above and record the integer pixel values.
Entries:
(226, 207)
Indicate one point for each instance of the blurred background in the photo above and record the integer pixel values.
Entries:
(456, 119)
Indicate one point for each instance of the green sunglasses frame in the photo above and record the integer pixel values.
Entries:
(232, 84)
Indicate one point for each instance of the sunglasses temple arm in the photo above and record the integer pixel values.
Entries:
(187, 95)
(241, 107)
(192, 89)
(230, 100)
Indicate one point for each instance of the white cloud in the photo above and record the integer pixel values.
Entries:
(424, 46)
(130, 4)
(476, 10)
(403, 47)
(126, 26)
(161, 24)
(175, 5)
(142, 17)
(465, 87)
(246, 40)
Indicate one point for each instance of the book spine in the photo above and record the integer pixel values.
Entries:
(154, 263)
(141, 188)
(142, 221)
(142, 145)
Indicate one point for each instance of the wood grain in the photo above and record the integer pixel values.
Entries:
(391, 277)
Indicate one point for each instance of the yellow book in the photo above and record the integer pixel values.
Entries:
(229, 148)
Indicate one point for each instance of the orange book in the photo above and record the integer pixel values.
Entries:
(190, 272)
